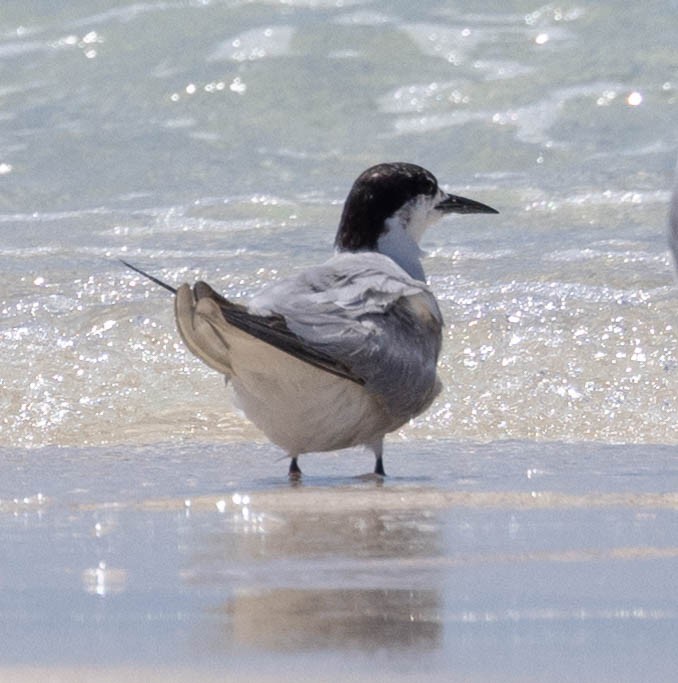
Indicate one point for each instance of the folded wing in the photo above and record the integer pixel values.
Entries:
(358, 316)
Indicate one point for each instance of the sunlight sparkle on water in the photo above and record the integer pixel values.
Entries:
(634, 99)
(102, 580)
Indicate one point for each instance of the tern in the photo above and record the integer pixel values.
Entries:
(673, 221)
(342, 353)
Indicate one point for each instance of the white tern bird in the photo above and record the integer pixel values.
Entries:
(339, 354)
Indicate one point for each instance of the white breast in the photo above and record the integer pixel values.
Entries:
(299, 407)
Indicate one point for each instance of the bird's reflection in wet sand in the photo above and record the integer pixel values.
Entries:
(354, 618)
(324, 581)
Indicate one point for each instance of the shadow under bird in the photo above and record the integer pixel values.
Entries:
(339, 354)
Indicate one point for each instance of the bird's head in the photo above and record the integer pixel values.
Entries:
(390, 206)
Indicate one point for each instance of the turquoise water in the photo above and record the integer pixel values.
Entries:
(217, 140)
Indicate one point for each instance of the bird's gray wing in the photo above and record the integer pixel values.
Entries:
(367, 314)
(203, 317)
(358, 316)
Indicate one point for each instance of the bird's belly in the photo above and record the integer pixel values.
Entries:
(303, 409)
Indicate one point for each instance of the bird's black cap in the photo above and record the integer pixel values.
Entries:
(379, 192)
(375, 196)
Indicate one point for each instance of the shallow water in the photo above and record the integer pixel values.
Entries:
(218, 140)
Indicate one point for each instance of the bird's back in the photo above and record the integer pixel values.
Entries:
(367, 313)
(380, 327)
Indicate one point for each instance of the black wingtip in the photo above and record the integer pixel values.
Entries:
(169, 288)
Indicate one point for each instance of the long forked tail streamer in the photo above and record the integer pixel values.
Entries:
(169, 288)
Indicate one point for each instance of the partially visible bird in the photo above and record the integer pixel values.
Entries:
(673, 220)
(342, 353)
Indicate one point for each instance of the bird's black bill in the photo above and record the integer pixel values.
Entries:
(454, 204)
(169, 288)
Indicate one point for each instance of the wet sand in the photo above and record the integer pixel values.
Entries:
(496, 562)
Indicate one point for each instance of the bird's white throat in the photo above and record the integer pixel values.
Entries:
(400, 240)
(396, 243)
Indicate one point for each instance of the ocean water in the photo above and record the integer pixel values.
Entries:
(529, 528)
